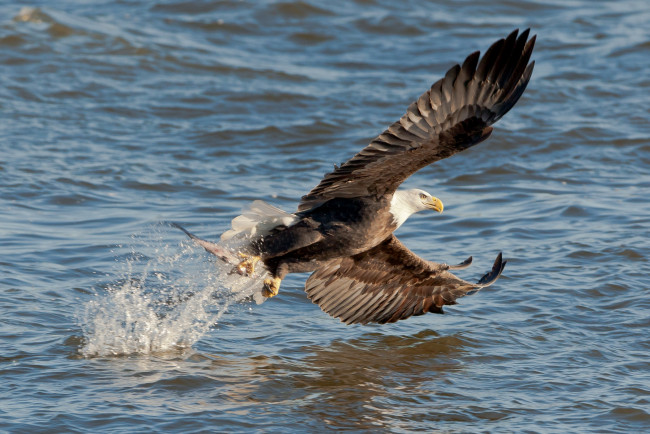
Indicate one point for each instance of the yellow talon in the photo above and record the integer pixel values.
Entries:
(271, 287)
(247, 266)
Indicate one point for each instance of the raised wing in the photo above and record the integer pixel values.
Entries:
(455, 114)
(389, 283)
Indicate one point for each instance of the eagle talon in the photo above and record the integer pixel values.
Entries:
(247, 266)
(271, 287)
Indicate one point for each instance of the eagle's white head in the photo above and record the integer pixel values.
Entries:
(407, 202)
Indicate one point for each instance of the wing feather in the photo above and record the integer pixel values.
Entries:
(453, 115)
(389, 283)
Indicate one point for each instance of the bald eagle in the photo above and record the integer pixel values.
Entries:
(343, 228)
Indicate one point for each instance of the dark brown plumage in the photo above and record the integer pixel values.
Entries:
(343, 228)
(388, 283)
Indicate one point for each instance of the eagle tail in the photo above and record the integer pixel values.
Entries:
(258, 219)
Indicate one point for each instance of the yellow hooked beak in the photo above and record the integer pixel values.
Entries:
(435, 204)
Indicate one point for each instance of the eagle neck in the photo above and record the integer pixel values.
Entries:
(401, 207)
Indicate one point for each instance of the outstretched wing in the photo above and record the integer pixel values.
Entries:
(455, 114)
(389, 283)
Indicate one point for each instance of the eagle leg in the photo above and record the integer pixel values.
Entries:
(247, 266)
(271, 287)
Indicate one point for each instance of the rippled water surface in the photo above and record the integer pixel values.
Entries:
(120, 116)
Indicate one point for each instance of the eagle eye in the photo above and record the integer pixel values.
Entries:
(423, 196)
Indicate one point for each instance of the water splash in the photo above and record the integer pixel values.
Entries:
(166, 299)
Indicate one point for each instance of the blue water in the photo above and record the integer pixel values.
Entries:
(120, 116)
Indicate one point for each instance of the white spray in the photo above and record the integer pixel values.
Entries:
(166, 299)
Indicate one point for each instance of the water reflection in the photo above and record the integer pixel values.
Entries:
(358, 383)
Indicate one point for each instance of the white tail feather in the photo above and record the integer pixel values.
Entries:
(258, 219)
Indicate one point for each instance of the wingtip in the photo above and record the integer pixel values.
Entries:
(474, 55)
(513, 34)
(466, 263)
(492, 276)
(528, 48)
(499, 263)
